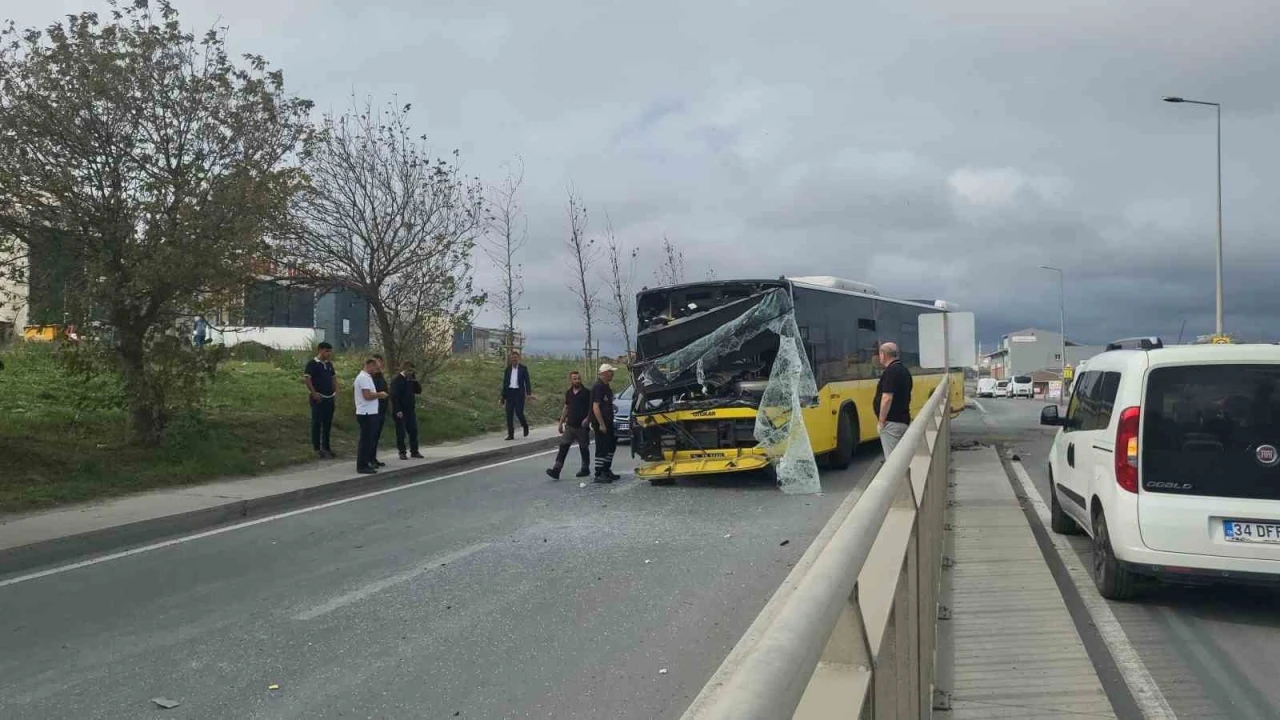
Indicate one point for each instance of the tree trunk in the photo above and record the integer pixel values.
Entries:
(390, 344)
(146, 411)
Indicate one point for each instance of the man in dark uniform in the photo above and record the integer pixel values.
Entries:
(602, 424)
(379, 384)
(574, 418)
(404, 391)
(322, 383)
(515, 389)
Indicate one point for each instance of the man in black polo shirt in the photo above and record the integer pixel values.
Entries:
(893, 399)
(322, 383)
(574, 417)
(602, 423)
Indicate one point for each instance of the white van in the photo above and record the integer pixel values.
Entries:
(986, 387)
(1167, 458)
(1021, 386)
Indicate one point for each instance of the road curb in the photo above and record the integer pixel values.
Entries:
(99, 542)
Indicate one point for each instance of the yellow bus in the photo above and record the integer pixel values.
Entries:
(713, 374)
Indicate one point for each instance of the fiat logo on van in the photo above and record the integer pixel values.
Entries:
(1267, 455)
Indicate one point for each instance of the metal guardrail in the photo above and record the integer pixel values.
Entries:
(852, 631)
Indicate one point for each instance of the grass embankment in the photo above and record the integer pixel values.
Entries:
(62, 441)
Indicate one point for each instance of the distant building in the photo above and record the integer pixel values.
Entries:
(1026, 351)
(13, 305)
(473, 340)
(284, 316)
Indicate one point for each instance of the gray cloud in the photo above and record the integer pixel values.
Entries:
(932, 148)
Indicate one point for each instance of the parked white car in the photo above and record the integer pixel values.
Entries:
(986, 387)
(1002, 389)
(1168, 459)
(1021, 386)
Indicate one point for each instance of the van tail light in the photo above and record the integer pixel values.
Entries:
(1126, 452)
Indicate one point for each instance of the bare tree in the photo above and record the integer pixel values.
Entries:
(583, 253)
(621, 278)
(671, 267)
(384, 220)
(507, 235)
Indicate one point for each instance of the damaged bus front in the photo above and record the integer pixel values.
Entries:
(721, 380)
(734, 376)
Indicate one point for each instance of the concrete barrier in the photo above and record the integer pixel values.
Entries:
(852, 631)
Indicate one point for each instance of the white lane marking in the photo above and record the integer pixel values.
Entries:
(259, 521)
(1146, 693)
(380, 585)
(979, 406)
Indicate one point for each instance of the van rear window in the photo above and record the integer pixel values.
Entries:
(1022, 379)
(1212, 430)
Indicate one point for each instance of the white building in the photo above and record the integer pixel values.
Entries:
(13, 301)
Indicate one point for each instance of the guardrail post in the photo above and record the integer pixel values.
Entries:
(842, 678)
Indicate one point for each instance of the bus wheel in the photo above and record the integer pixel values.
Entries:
(846, 440)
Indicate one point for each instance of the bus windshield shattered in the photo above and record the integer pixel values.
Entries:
(721, 381)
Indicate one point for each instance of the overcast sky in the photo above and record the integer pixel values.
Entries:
(933, 148)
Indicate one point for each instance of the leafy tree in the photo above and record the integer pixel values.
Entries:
(155, 165)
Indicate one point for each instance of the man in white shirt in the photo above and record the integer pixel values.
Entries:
(366, 402)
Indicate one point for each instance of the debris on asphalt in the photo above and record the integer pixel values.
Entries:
(968, 445)
(1017, 457)
(784, 543)
(273, 686)
(582, 485)
(728, 535)
(646, 562)
(165, 703)
(663, 671)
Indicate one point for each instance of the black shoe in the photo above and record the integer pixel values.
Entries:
(416, 456)
(329, 454)
(403, 456)
(511, 437)
(583, 472)
(603, 479)
(367, 471)
(612, 475)
(553, 473)
(526, 432)
(322, 454)
(379, 463)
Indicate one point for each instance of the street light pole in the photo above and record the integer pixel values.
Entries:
(1062, 327)
(1218, 293)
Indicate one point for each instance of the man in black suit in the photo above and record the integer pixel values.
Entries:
(515, 389)
(404, 391)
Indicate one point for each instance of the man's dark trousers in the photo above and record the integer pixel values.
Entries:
(606, 444)
(407, 425)
(381, 421)
(368, 436)
(321, 423)
(567, 439)
(514, 400)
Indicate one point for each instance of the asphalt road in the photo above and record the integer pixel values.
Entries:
(1214, 652)
(496, 594)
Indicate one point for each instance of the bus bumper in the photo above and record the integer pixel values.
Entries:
(712, 463)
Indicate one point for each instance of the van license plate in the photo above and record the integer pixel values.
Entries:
(1251, 532)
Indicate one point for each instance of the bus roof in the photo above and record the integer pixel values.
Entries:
(821, 283)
